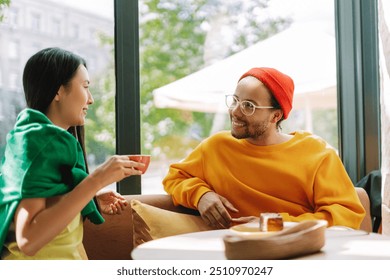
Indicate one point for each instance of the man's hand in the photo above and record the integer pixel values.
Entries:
(212, 208)
(111, 202)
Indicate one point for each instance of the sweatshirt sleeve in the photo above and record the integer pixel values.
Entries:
(335, 198)
(185, 180)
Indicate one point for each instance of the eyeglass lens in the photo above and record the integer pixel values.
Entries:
(246, 107)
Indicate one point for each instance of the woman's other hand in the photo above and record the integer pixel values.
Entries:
(111, 202)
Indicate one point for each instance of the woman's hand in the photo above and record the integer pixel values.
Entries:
(114, 170)
(110, 202)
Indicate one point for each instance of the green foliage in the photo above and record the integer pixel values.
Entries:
(3, 4)
(171, 43)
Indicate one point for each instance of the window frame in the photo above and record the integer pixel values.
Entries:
(357, 49)
(127, 98)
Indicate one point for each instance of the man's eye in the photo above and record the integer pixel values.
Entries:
(248, 105)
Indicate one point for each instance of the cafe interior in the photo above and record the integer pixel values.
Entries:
(153, 227)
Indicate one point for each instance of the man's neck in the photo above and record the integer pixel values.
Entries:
(273, 139)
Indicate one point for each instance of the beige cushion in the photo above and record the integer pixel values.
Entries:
(151, 222)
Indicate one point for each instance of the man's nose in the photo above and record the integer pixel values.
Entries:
(236, 110)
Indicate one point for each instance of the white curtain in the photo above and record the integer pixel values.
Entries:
(384, 60)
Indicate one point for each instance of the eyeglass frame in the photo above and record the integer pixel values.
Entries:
(238, 102)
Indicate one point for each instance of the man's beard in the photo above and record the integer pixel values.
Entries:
(253, 131)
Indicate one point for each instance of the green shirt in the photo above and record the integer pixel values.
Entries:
(40, 160)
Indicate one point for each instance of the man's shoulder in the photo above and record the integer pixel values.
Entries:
(313, 140)
(218, 137)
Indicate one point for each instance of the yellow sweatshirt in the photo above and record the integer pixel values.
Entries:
(302, 179)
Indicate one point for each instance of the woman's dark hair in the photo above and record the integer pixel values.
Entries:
(45, 72)
(79, 133)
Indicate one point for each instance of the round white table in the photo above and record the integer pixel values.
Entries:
(340, 243)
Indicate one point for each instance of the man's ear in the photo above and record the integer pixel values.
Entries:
(277, 115)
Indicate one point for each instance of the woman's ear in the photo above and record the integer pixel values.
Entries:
(60, 92)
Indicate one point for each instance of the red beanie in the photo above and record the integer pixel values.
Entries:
(280, 85)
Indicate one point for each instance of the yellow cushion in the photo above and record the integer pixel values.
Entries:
(151, 222)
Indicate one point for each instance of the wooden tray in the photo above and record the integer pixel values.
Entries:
(304, 238)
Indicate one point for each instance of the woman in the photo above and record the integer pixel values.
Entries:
(45, 189)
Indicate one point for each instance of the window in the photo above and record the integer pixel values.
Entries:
(94, 36)
(56, 28)
(75, 31)
(13, 17)
(357, 45)
(36, 22)
(179, 108)
(13, 49)
(13, 80)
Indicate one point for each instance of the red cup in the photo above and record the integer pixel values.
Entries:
(145, 159)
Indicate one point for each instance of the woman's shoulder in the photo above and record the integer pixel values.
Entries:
(34, 133)
(32, 123)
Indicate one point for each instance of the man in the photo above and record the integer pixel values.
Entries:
(233, 177)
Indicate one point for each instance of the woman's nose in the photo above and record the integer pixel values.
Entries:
(90, 98)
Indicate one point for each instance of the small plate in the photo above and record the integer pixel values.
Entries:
(253, 229)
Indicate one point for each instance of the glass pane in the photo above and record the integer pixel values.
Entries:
(192, 53)
(84, 27)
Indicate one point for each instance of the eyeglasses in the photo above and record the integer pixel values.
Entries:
(247, 107)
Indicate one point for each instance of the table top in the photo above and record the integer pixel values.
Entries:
(340, 243)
